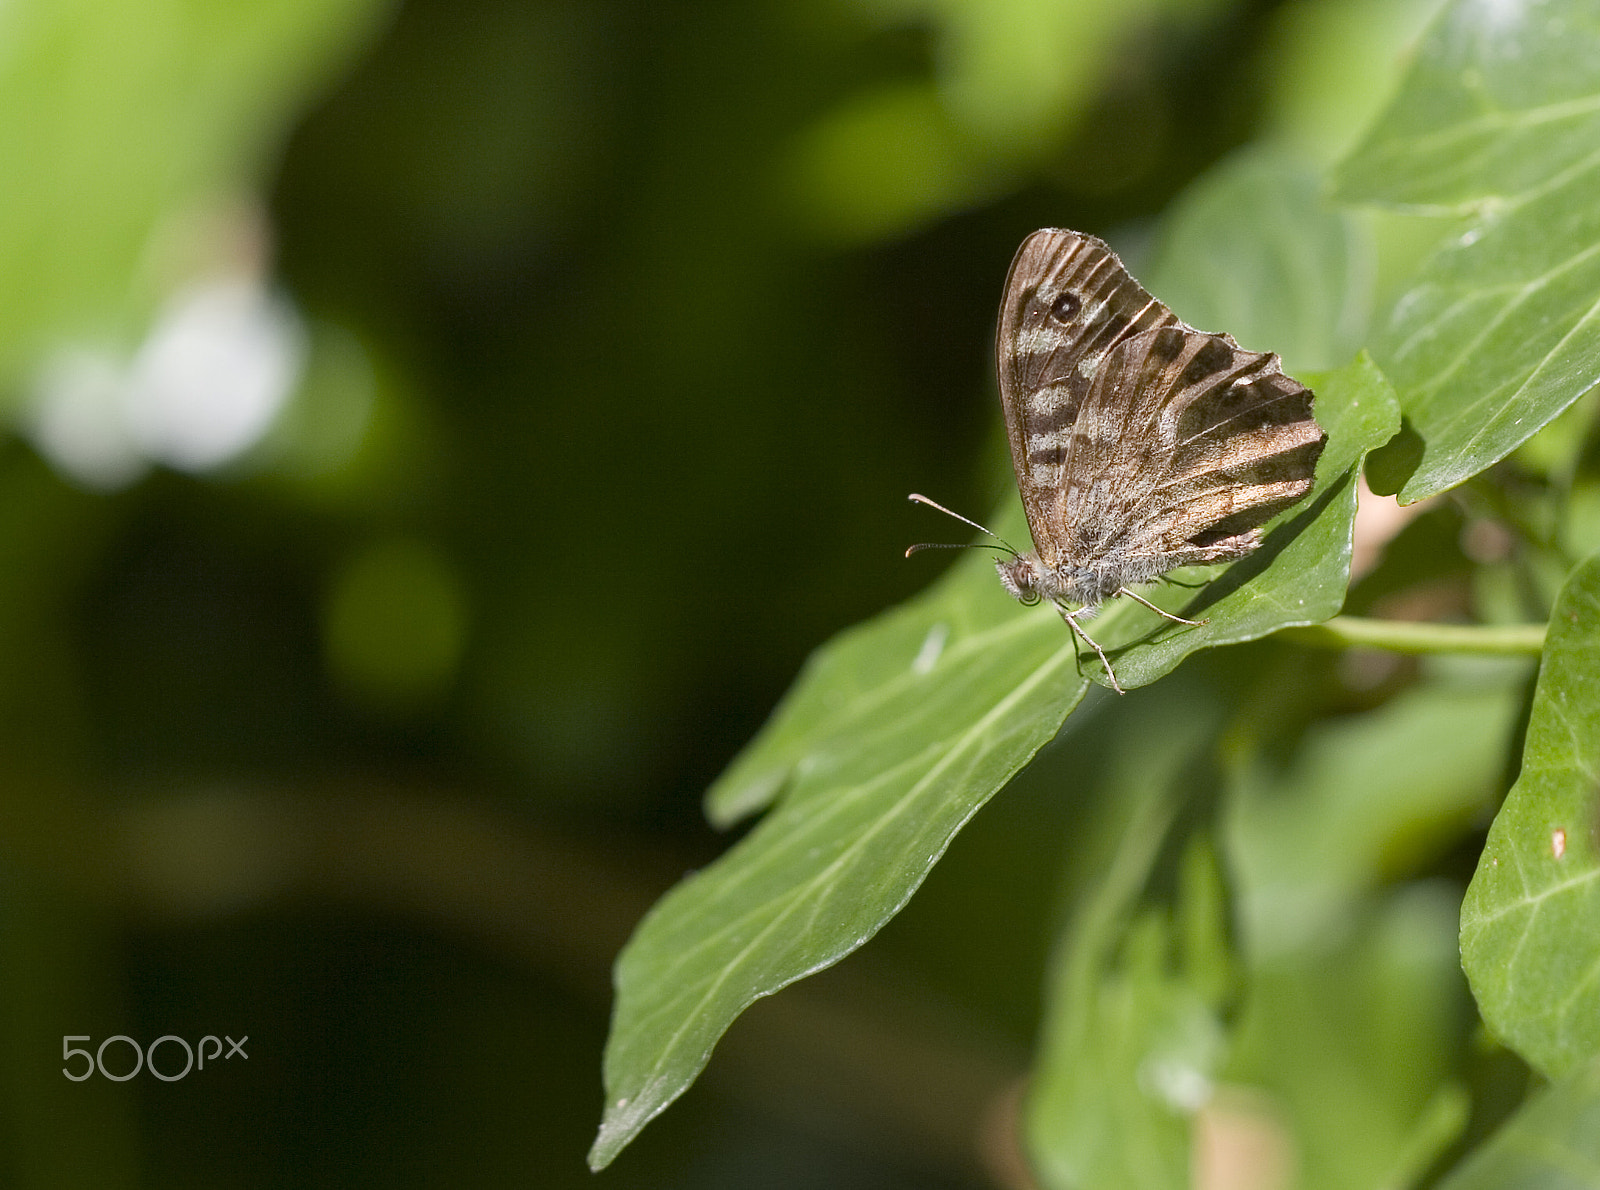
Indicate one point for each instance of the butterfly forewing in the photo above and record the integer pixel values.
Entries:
(1068, 304)
(1140, 443)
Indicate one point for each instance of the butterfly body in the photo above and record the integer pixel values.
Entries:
(1029, 580)
(1140, 443)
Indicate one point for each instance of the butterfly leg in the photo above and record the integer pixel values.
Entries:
(1134, 595)
(1098, 651)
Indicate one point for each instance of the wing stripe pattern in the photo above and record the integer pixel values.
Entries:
(1140, 443)
(1069, 303)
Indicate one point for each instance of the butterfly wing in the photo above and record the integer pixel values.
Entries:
(1184, 446)
(1068, 305)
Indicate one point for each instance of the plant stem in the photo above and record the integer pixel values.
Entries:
(1404, 636)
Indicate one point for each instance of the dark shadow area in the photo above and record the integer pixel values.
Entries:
(1396, 461)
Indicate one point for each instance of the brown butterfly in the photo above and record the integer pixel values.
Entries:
(1140, 444)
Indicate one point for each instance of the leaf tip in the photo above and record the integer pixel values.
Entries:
(624, 1117)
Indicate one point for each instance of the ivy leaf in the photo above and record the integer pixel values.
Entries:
(896, 734)
(1499, 331)
(1500, 99)
(1553, 1143)
(1530, 924)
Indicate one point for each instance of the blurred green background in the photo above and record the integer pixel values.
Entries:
(440, 432)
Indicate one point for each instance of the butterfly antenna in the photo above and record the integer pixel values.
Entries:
(915, 498)
(958, 545)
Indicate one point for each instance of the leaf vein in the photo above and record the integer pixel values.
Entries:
(795, 897)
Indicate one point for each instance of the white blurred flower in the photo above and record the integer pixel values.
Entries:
(205, 386)
(214, 373)
(77, 419)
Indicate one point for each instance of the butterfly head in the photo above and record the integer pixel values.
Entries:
(1026, 578)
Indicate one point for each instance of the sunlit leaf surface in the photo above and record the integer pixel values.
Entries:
(1530, 925)
(1500, 330)
(898, 732)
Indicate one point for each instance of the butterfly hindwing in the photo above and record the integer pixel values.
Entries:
(1188, 444)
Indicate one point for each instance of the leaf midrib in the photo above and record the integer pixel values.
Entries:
(797, 895)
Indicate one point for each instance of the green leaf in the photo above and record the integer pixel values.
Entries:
(1553, 1143)
(1132, 1035)
(894, 736)
(124, 125)
(874, 698)
(935, 706)
(1310, 257)
(1351, 1039)
(1366, 797)
(1530, 924)
(1499, 331)
(1350, 1020)
(1500, 99)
